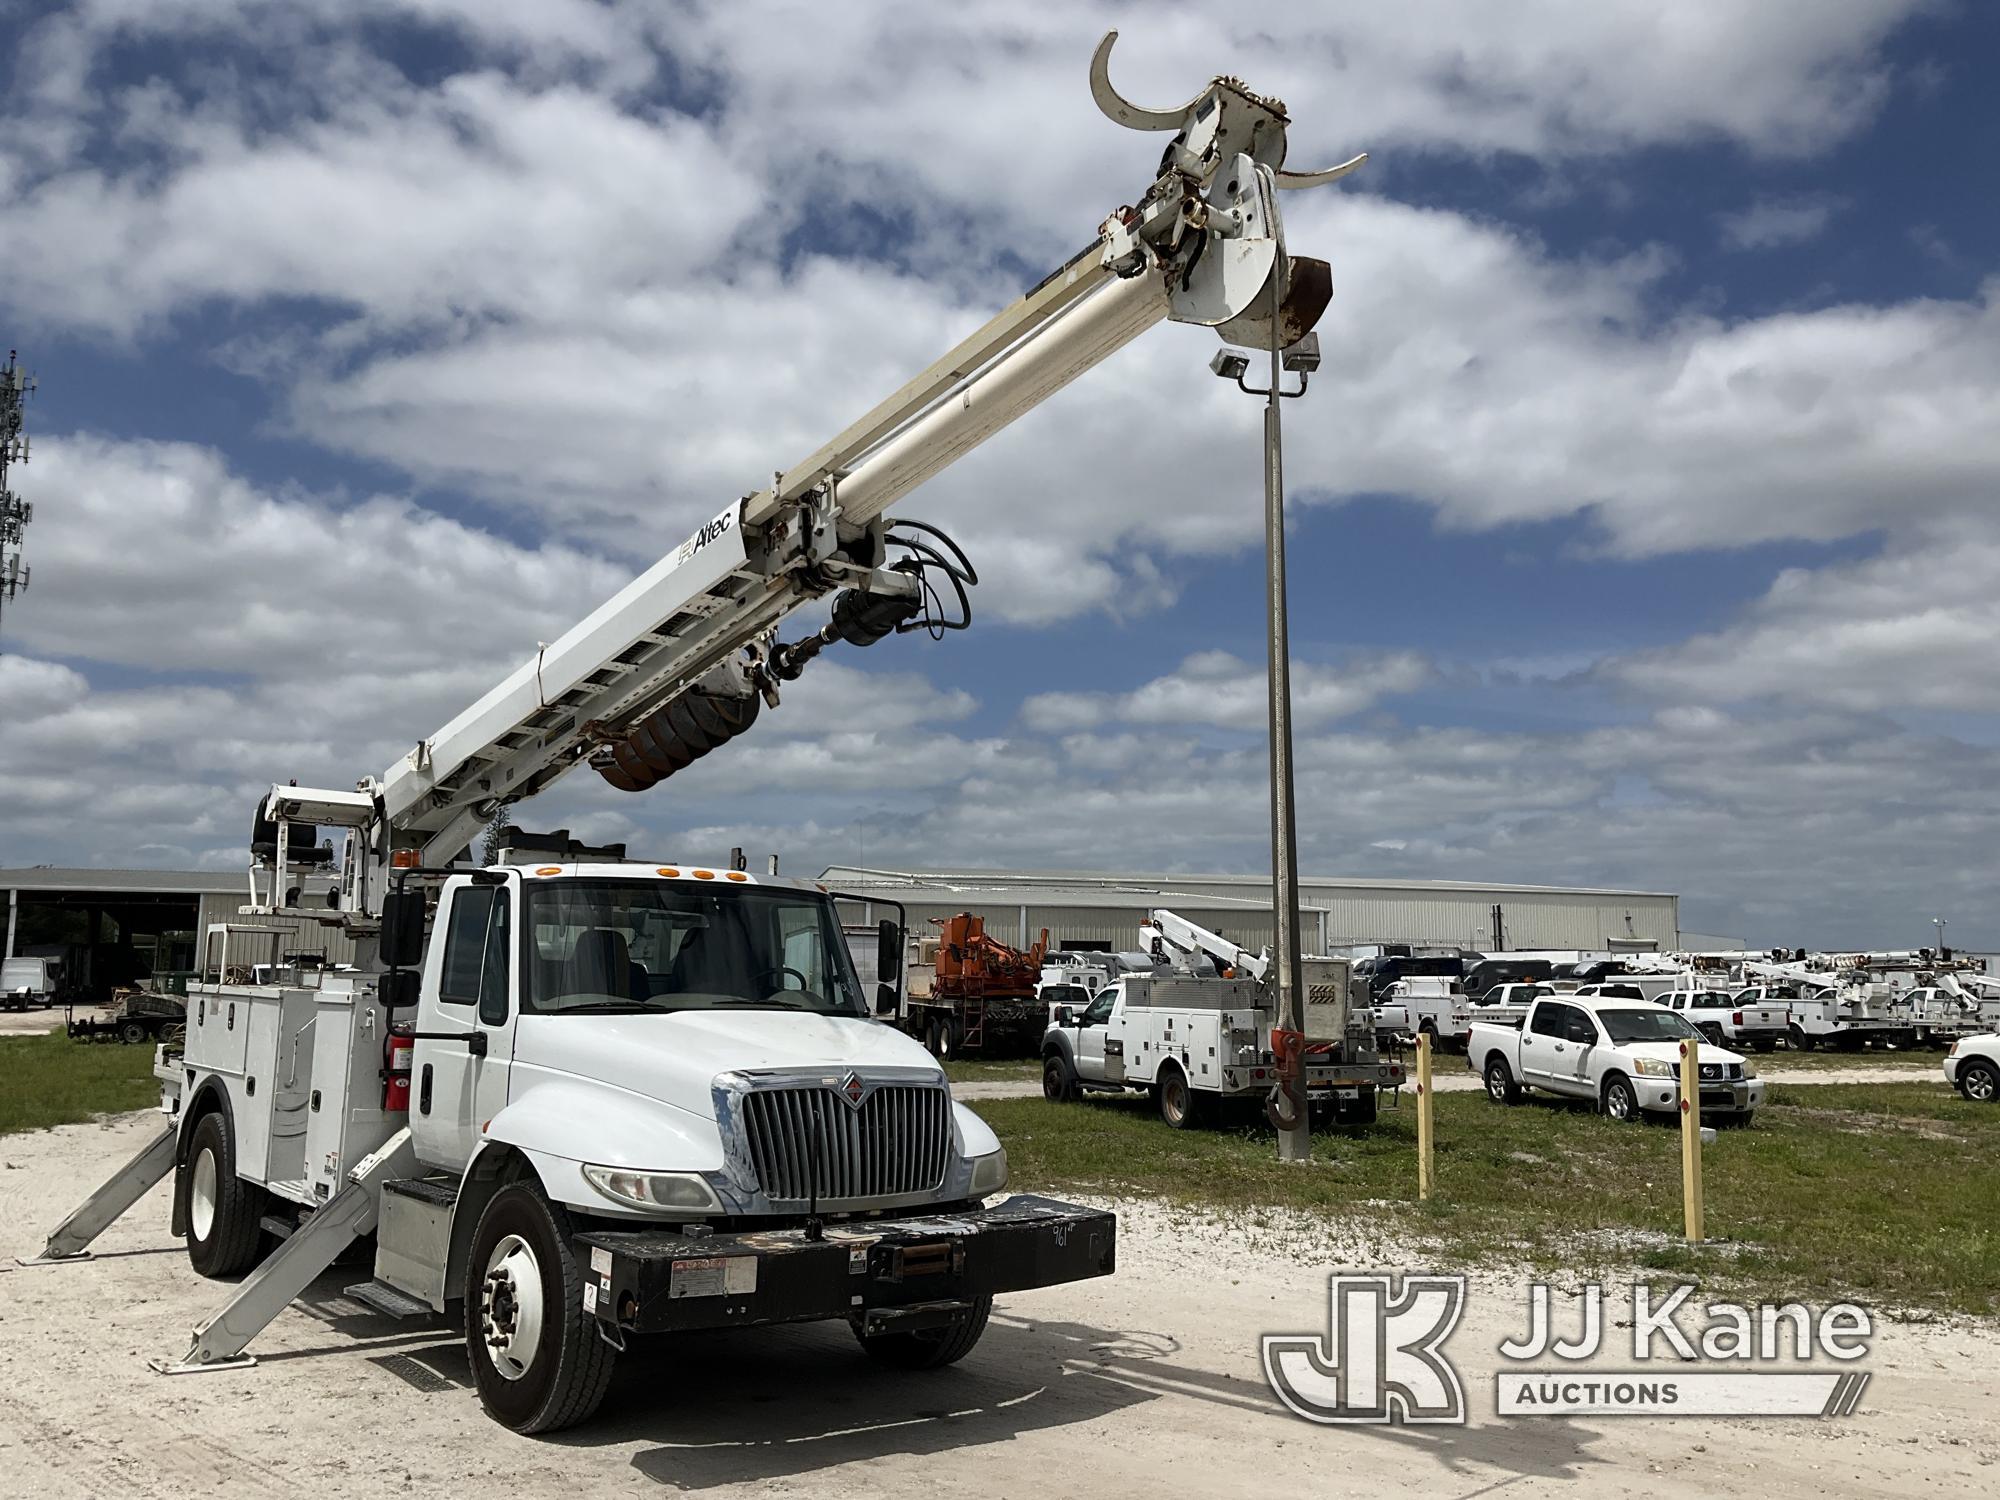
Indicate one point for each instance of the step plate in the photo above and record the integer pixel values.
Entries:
(386, 1299)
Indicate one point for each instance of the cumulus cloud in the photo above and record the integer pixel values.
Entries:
(1914, 628)
(1770, 223)
(1223, 691)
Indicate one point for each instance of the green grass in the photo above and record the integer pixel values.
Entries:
(994, 1070)
(50, 1080)
(1879, 1192)
(1916, 1060)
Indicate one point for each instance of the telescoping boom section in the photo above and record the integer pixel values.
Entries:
(687, 655)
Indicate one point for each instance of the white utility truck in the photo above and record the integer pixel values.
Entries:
(643, 1097)
(1198, 1031)
(1821, 1011)
(1435, 1006)
(1742, 1018)
(27, 981)
(1624, 1054)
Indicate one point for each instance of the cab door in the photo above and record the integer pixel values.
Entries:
(470, 990)
(1095, 1058)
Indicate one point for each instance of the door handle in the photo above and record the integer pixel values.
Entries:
(475, 1041)
(424, 1092)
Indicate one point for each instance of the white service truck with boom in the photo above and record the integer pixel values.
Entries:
(1200, 1030)
(575, 1100)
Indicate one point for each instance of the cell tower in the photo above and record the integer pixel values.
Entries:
(15, 513)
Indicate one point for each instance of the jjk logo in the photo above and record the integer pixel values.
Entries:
(1381, 1358)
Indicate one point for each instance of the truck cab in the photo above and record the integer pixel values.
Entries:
(27, 981)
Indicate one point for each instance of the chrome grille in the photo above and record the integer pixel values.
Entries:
(897, 1142)
(1711, 1070)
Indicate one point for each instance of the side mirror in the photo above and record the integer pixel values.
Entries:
(889, 953)
(400, 989)
(1583, 1035)
(402, 940)
(1065, 1015)
(885, 999)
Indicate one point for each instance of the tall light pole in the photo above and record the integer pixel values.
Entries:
(1288, 1111)
(1939, 923)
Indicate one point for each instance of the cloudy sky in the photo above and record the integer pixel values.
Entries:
(1645, 511)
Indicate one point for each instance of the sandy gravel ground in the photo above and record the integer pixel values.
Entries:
(1450, 1076)
(33, 1022)
(1146, 1383)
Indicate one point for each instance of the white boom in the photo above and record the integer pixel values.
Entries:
(1163, 928)
(681, 658)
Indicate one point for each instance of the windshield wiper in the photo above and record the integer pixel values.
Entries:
(607, 1007)
(769, 1002)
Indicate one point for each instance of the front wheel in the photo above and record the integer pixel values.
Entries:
(1500, 1085)
(928, 1348)
(1620, 1102)
(1058, 1079)
(536, 1356)
(1979, 1081)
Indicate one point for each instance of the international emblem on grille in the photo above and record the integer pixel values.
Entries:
(853, 1090)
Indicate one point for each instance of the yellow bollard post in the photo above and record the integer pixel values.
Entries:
(1691, 1138)
(1425, 1132)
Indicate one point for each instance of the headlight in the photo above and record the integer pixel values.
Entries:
(680, 1191)
(989, 1173)
(1749, 1071)
(1653, 1067)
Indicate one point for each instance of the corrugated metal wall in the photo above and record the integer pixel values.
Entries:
(1116, 925)
(304, 936)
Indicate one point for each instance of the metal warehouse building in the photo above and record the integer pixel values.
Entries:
(1097, 909)
(114, 925)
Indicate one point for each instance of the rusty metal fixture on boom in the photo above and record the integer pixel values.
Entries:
(909, 594)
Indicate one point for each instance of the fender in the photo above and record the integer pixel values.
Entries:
(212, 1097)
(1060, 1040)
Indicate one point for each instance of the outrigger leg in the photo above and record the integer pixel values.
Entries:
(219, 1341)
(101, 1209)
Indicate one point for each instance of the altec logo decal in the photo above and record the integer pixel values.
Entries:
(718, 527)
(1382, 1358)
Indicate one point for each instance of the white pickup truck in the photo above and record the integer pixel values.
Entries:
(1625, 1054)
(1973, 1067)
(1733, 1019)
(25, 982)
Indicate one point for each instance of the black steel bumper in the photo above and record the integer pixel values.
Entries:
(886, 1273)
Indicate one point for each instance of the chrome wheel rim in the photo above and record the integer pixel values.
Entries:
(1979, 1084)
(203, 1191)
(1496, 1084)
(510, 1307)
(1618, 1103)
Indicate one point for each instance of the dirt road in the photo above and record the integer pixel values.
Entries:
(1147, 1383)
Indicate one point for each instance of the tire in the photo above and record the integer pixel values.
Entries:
(1800, 1041)
(1711, 1033)
(1764, 1044)
(1179, 1104)
(1621, 1100)
(930, 1348)
(1979, 1080)
(1500, 1085)
(1058, 1079)
(941, 1037)
(225, 1235)
(552, 1373)
(132, 1033)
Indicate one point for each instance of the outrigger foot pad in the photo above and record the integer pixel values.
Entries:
(195, 1367)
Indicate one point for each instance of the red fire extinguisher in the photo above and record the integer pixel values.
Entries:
(399, 1052)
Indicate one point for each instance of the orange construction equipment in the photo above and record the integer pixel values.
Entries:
(975, 966)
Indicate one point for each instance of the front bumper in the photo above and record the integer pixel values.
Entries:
(884, 1273)
(1718, 1097)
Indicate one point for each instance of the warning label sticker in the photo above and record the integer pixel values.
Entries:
(713, 1276)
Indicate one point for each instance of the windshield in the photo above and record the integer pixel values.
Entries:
(639, 945)
(1646, 1026)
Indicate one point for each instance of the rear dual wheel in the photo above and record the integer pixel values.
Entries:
(224, 1213)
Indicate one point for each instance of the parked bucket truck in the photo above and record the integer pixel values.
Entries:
(581, 1100)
